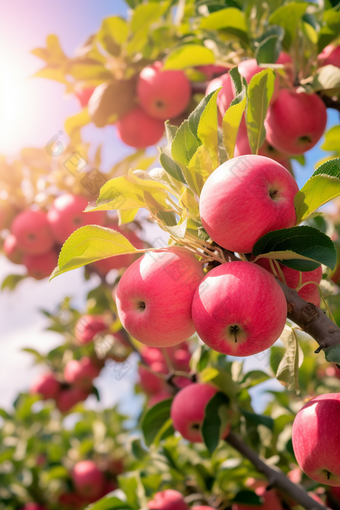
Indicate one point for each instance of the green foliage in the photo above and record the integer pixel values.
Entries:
(157, 423)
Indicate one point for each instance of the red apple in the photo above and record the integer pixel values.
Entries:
(69, 398)
(88, 480)
(154, 296)
(81, 373)
(151, 355)
(316, 438)
(139, 130)
(295, 122)
(188, 411)
(40, 266)
(71, 501)
(245, 198)
(83, 94)
(88, 326)
(33, 506)
(211, 70)
(163, 394)
(168, 500)
(12, 250)
(45, 385)
(248, 69)
(225, 96)
(204, 507)
(150, 382)
(163, 93)
(226, 306)
(287, 61)
(66, 215)
(330, 55)
(32, 232)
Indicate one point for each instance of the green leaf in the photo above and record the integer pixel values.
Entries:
(332, 354)
(258, 419)
(260, 91)
(137, 449)
(195, 116)
(323, 186)
(184, 145)
(230, 20)
(170, 166)
(307, 248)
(189, 55)
(109, 503)
(288, 369)
(114, 27)
(215, 420)
(245, 497)
(199, 168)
(332, 139)
(88, 244)
(327, 78)
(74, 124)
(207, 130)
(233, 116)
(155, 419)
(288, 17)
(268, 51)
(254, 378)
(11, 281)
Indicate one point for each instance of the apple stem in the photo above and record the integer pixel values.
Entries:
(328, 475)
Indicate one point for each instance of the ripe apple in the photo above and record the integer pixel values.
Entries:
(71, 501)
(163, 93)
(211, 70)
(330, 55)
(180, 360)
(81, 373)
(88, 326)
(309, 292)
(287, 62)
(33, 506)
(204, 507)
(40, 266)
(226, 306)
(225, 95)
(245, 198)
(88, 480)
(69, 398)
(161, 395)
(316, 437)
(295, 122)
(151, 355)
(66, 215)
(12, 250)
(83, 94)
(168, 500)
(151, 383)
(45, 385)
(32, 232)
(139, 130)
(188, 411)
(154, 296)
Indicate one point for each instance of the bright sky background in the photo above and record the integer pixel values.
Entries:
(32, 110)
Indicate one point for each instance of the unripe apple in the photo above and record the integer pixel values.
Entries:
(40, 266)
(139, 130)
(244, 199)
(88, 326)
(88, 480)
(188, 411)
(309, 292)
(248, 69)
(33, 506)
(330, 55)
(32, 232)
(45, 385)
(150, 382)
(81, 373)
(12, 250)
(84, 94)
(163, 93)
(295, 122)
(226, 306)
(69, 398)
(154, 296)
(66, 215)
(225, 95)
(168, 500)
(316, 438)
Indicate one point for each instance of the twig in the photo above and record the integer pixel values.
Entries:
(275, 477)
(329, 102)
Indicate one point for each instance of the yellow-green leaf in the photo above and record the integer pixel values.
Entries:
(288, 369)
(189, 55)
(199, 168)
(232, 118)
(207, 130)
(230, 20)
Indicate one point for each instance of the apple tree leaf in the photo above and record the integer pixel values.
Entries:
(11, 281)
(288, 370)
(110, 503)
(189, 55)
(233, 116)
(327, 78)
(332, 354)
(155, 419)
(215, 420)
(207, 130)
(332, 139)
(184, 145)
(230, 20)
(258, 419)
(288, 17)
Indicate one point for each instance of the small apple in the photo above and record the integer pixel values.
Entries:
(150, 382)
(245, 198)
(330, 55)
(40, 266)
(69, 398)
(211, 70)
(161, 395)
(226, 304)
(66, 215)
(88, 326)
(188, 411)
(248, 69)
(12, 250)
(316, 437)
(163, 94)
(81, 373)
(88, 480)
(287, 62)
(45, 385)
(225, 95)
(137, 129)
(204, 507)
(168, 500)
(32, 232)
(295, 122)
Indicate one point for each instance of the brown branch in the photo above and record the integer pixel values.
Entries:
(275, 477)
(329, 102)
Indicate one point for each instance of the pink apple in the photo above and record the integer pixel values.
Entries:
(182, 382)
(66, 215)
(244, 199)
(139, 130)
(81, 373)
(211, 70)
(295, 122)
(88, 480)
(309, 292)
(226, 306)
(150, 382)
(163, 93)
(163, 394)
(154, 296)
(168, 500)
(248, 69)
(204, 507)
(12, 250)
(32, 232)
(69, 398)
(33, 506)
(88, 326)
(45, 385)
(84, 94)
(330, 55)
(270, 500)
(40, 266)
(151, 355)
(225, 95)
(316, 438)
(287, 62)
(188, 411)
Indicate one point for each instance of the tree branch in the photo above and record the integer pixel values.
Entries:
(329, 102)
(275, 477)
